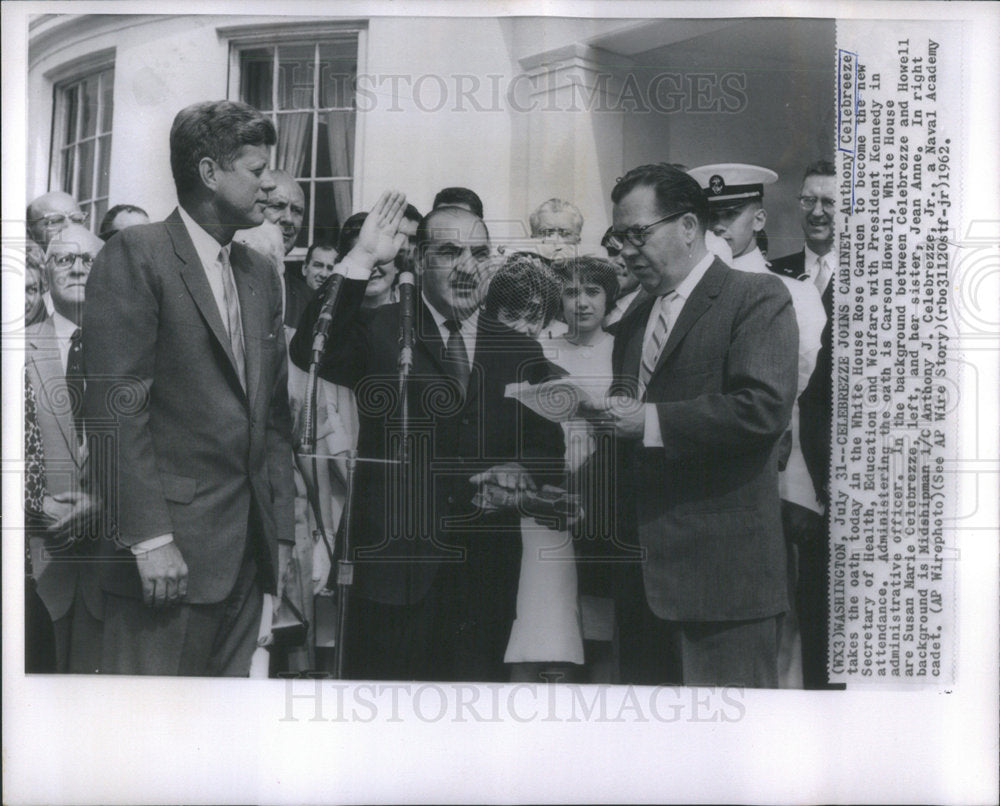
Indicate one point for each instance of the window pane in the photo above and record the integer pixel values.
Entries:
(107, 99)
(86, 168)
(335, 152)
(295, 76)
(338, 68)
(256, 77)
(295, 143)
(327, 226)
(88, 106)
(68, 165)
(70, 99)
(104, 165)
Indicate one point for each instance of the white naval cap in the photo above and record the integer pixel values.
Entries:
(732, 184)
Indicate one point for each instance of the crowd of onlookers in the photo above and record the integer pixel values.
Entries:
(590, 310)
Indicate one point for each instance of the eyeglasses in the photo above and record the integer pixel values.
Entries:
(60, 219)
(635, 235)
(808, 203)
(555, 232)
(66, 260)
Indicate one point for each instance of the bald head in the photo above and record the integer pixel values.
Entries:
(49, 213)
(286, 207)
(68, 260)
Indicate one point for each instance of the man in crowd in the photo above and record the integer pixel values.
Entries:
(190, 324)
(48, 214)
(557, 224)
(628, 283)
(51, 213)
(286, 207)
(435, 584)
(815, 265)
(710, 359)
(119, 217)
(459, 197)
(64, 575)
(321, 257)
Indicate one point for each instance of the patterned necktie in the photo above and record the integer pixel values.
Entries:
(657, 338)
(233, 324)
(455, 358)
(75, 382)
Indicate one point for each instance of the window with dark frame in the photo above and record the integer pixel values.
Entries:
(307, 88)
(81, 151)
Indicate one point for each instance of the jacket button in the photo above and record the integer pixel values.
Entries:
(451, 499)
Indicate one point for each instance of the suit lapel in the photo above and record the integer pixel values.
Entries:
(429, 339)
(194, 277)
(43, 354)
(701, 300)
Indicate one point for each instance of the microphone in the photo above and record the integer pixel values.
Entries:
(322, 328)
(406, 303)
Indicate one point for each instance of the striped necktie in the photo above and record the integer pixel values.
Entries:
(234, 326)
(657, 338)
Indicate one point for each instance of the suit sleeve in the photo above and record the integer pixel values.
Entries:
(120, 324)
(279, 432)
(761, 369)
(345, 359)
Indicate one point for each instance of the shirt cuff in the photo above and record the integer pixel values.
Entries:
(153, 543)
(354, 268)
(651, 437)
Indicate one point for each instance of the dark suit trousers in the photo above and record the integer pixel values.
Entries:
(654, 651)
(809, 578)
(78, 637)
(205, 640)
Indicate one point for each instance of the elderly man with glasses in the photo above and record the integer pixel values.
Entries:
(706, 369)
(54, 367)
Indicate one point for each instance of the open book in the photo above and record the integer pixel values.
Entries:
(556, 400)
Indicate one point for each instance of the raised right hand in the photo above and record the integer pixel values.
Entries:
(380, 237)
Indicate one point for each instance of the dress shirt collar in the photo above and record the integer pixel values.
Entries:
(687, 285)
(753, 262)
(64, 327)
(812, 269)
(467, 328)
(204, 244)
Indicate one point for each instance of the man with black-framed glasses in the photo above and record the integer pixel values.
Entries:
(707, 368)
(51, 213)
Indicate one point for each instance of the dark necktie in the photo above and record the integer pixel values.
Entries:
(455, 358)
(75, 380)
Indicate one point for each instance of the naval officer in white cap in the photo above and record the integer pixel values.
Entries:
(735, 194)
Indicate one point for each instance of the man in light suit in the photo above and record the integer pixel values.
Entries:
(62, 567)
(815, 265)
(186, 357)
(709, 364)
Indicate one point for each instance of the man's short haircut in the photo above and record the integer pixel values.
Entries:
(323, 244)
(556, 206)
(425, 232)
(819, 168)
(214, 129)
(107, 223)
(350, 231)
(452, 197)
(590, 269)
(676, 190)
(517, 283)
(411, 213)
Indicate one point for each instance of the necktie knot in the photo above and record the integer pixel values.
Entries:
(76, 336)
(453, 325)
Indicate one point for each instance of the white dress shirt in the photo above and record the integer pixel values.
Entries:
(64, 334)
(813, 270)
(651, 436)
(467, 330)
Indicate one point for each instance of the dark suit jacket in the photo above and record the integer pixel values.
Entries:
(58, 575)
(816, 400)
(455, 437)
(190, 452)
(297, 296)
(707, 502)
